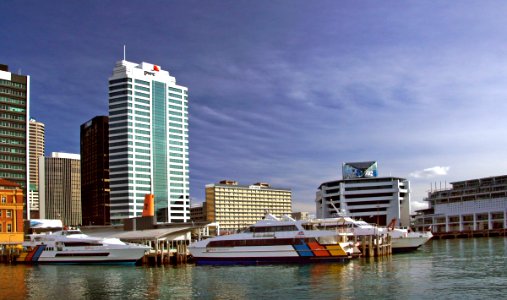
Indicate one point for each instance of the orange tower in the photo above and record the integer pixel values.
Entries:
(149, 205)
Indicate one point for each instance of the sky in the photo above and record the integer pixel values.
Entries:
(284, 92)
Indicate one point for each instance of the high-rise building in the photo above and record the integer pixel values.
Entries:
(36, 150)
(236, 206)
(14, 112)
(148, 142)
(94, 139)
(60, 188)
(363, 195)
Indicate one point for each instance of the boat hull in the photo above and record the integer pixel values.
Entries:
(40, 255)
(267, 260)
(298, 253)
(408, 244)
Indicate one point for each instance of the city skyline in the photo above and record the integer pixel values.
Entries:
(284, 93)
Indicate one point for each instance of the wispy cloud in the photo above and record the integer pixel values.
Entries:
(430, 172)
(286, 94)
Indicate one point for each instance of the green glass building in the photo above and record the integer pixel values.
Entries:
(14, 116)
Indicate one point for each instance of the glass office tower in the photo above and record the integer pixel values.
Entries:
(148, 142)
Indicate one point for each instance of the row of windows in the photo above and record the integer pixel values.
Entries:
(139, 106)
(11, 142)
(12, 108)
(141, 88)
(140, 131)
(142, 144)
(12, 167)
(12, 83)
(120, 80)
(12, 92)
(12, 125)
(142, 101)
(12, 117)
(120, 93)
(120, 137)
(176, 90)
(175, 96)
(11, 100)
(119, 118)
(120, 87)
(12, 158)
(142, 82)
(142, 113)
(12, 150)
(120, 99)
(121, 169)
(121, 130)
(12, 175)
(142, 94)
(120, 112)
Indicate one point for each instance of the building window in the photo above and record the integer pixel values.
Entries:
(4, 199)
(9, 214)
(9, 227)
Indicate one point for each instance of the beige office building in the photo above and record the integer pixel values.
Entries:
(60, 188)
(236, 206)
(36, 150)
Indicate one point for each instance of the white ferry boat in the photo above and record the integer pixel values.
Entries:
(272, 240)
(402, 240)
(72, 246)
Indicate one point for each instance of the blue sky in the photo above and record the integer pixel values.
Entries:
(285, 91)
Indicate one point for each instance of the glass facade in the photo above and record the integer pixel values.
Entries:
(145, 121)
(160, 184)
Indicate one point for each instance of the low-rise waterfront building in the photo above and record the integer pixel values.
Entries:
(236, 206)
(11, 213)
(468, 206)
(361, 194)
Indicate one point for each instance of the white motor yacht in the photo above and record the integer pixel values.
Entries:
(72, 246)
(274, 240)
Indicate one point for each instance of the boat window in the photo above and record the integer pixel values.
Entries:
(310, 227)
(71, 232)
(258, 242)
(81, 244)
(274, 228)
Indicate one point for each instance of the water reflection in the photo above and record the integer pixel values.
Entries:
(471, 268)
(12, 282)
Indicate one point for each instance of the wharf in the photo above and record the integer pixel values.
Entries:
(469, 234)
(165, 253)
(376, 245)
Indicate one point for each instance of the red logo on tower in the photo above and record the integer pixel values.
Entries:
(156, 68)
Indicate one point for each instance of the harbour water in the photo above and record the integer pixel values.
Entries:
(441, 269)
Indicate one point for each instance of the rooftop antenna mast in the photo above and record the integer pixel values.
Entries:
(124, 51)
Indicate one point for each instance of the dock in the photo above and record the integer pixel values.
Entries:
(469, 233)
(376, 245)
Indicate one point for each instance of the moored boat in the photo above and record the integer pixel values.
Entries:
(402, 239)
(74, 247)
(272, 240)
